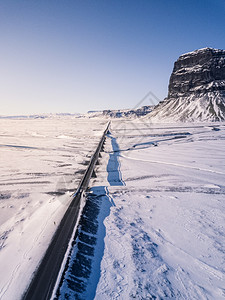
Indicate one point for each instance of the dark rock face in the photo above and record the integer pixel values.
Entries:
(200, 71)
(138, 112)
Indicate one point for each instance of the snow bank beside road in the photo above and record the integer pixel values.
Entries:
(164, 236)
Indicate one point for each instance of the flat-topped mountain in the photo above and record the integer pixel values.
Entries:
(121, 113)
(196, 88)
(197, 72)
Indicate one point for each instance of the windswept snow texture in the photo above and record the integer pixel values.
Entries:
(164, 236)
(41, 164)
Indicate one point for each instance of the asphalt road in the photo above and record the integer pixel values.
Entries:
(44, 280)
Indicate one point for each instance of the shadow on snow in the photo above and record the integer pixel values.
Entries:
(83, 267)
(113, 168)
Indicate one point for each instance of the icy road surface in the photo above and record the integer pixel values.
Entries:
(41, 164)
(154, 224)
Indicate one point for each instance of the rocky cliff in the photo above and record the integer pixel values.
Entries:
(196, 88)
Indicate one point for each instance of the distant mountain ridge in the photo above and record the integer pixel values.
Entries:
(121, 113)
(196, 88)
(196, 92)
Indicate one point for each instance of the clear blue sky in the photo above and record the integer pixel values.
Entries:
(74, 56)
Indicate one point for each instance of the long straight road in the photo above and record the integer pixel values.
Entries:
(44, 279)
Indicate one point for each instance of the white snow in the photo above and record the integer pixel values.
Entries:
(160, 194)
(165, 232)
(195, 52)
(41, 164)
(204, 107)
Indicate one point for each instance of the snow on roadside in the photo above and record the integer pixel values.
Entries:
(41, 163)
(165, 234)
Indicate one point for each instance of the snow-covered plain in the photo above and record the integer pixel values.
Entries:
(160, 229)
(41, 163)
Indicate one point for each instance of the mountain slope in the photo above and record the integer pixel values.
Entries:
(203, 107)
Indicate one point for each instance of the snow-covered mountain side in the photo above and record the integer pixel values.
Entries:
(196, 88)
(121, 113)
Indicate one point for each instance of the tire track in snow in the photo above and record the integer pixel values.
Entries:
(7, 285)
